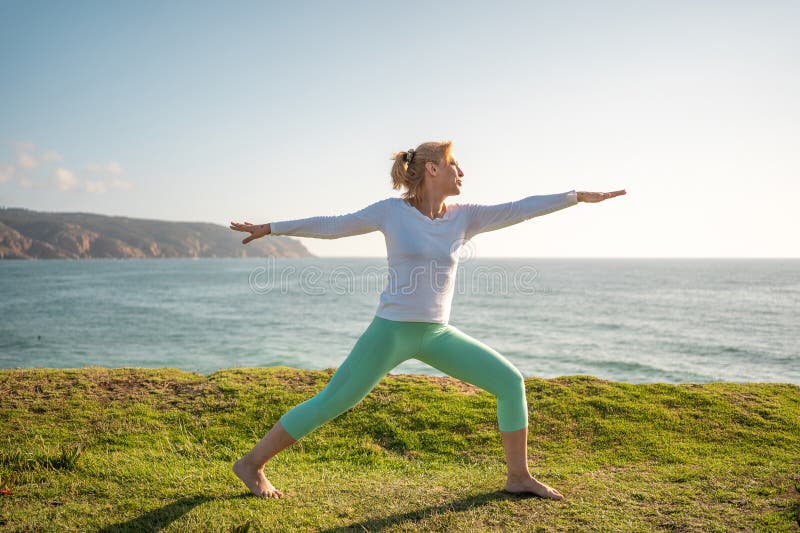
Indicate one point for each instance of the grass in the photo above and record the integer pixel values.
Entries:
(131, 449)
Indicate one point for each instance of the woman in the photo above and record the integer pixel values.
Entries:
(423, 238)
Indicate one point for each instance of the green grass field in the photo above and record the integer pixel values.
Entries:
(131, 449)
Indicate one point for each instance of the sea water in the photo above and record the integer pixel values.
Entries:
(632, 320)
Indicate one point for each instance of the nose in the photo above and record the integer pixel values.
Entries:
(460, 173)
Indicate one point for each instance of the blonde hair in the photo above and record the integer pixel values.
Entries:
(411, 176)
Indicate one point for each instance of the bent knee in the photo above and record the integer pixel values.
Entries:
(513, 384)
(509, 383)
(517, 380)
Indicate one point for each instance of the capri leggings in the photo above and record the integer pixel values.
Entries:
(387, 343)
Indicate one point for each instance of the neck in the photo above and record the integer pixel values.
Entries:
(431, 205)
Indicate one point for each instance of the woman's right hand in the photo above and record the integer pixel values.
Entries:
(256, 230)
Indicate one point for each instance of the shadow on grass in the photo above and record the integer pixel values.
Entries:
(158, 519)
(464, 504)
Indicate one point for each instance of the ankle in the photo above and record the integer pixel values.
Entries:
(519, 476)
(248, 460)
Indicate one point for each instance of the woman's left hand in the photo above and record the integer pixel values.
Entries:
(586, 196)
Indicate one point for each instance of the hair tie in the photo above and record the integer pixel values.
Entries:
(410, 155)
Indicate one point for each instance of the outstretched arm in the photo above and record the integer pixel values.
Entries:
(324, 227)
(484, 218)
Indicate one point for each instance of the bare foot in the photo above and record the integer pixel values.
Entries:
(254, 479)
(530, 484)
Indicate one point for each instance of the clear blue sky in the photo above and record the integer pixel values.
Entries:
(254, 111)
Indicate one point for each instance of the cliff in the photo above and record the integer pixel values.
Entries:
(27, 234)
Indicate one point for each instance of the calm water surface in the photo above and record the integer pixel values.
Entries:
(633, 320)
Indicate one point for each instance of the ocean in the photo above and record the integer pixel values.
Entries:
(631, 320)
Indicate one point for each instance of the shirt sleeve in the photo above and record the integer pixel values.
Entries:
(482, 218)
(333, 227)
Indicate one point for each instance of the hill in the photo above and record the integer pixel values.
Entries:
(27, 234)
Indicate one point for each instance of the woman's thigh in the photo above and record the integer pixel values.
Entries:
(455, 353)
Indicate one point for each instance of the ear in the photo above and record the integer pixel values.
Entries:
(431, 167)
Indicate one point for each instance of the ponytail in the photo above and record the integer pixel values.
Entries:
(411, 175)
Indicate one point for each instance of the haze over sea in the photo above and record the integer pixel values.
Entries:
(632, 320)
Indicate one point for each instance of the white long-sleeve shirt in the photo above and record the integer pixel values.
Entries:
(423, 253)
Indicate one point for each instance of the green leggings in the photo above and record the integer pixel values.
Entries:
(387, 343)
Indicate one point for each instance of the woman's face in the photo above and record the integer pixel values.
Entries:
(449, 175)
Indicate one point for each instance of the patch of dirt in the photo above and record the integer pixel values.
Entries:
(102, 385)
(443, 382)
(108, 388)
(302, 379)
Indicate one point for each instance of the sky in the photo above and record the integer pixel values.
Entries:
(259, 112)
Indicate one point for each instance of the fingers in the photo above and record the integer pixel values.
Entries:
(248, 227)
(600, 196)
(241, 227)
(607, 195)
